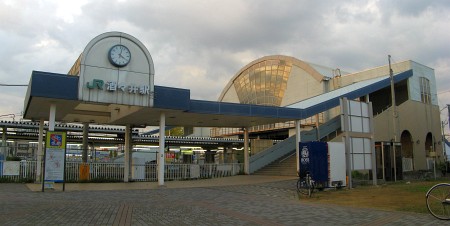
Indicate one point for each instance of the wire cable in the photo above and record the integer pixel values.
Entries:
(2, 84)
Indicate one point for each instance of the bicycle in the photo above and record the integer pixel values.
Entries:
(306, 185)
(438, 201)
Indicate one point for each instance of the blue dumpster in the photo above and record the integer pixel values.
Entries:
(314, 159)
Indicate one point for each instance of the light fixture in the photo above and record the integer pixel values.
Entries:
(418, 141)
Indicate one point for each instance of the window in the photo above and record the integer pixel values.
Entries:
(264, 83)
(425, 90)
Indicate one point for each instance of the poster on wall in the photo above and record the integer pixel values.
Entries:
(11, 168)
(55, 152)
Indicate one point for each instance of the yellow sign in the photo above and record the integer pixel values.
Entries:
(84, 172)
(56, 140)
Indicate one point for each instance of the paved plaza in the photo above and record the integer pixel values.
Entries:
(240, 200)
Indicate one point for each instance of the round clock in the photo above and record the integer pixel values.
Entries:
(119, 55)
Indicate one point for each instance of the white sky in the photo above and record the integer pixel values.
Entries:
(199, 45)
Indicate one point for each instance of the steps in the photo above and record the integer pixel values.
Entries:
(286, 167)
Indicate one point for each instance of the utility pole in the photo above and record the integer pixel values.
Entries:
(394, 115)
(394, 105)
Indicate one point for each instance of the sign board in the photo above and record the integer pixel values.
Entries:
(11, 168)
(55, 152)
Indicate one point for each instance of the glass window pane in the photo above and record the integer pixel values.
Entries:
(358, 161)
(357, 145)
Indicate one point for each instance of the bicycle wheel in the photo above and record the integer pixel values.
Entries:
(302, 186)
(438, 201)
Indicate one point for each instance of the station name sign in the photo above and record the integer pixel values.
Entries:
(112, 86)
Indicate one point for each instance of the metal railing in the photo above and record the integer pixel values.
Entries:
(25, 171)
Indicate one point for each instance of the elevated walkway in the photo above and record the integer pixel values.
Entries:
(312, 106)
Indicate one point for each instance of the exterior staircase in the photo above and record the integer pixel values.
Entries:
(286, 166)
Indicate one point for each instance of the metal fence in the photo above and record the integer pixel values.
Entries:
(25, 171)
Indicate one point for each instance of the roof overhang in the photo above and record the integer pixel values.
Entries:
(48, 89)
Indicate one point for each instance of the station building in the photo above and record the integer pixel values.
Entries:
(271, 98)
(284, 81)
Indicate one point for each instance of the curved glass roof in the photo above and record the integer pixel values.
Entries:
(264, 83)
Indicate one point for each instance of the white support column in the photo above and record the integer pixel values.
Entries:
(40, 151)
(51, 118)
(297, 145)
(372, 145)
(126, 160)
(162, 125)
(246, 155)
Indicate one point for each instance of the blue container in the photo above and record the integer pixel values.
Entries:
(315, 159)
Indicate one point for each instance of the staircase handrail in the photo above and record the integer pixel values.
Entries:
(287, 146)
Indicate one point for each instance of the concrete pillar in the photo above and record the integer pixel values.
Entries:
(85, 142)
(297, 145)
(372, 145)
(126, 160)
(162, 125)
(246, 154)
(40, 151)
(52, 117)
(233, 155)
(346, 138)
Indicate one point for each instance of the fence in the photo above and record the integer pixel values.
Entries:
(25, 171)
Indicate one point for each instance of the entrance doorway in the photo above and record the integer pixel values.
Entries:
(389, 161)
(407, 151)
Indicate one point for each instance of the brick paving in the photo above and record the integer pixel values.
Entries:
(255, 203)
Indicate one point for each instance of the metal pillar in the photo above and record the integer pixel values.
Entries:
(372, 145)
(394, 105)
(4, 142)
(40, 152)
(126, 161)
(382, 162)
(246, 154)
(162, 125)
(85, 142)
(297, 145)
(345, 106)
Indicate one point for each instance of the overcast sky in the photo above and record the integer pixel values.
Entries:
(200, 45)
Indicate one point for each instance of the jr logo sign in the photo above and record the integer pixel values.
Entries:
(114, 86)
(97, 83)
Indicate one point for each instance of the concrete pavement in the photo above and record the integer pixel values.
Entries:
(239, 200)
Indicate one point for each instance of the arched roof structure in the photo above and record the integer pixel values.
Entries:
(265, 81)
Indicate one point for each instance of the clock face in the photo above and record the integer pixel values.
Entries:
(119, 55)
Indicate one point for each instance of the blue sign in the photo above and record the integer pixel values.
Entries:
(314, 159)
